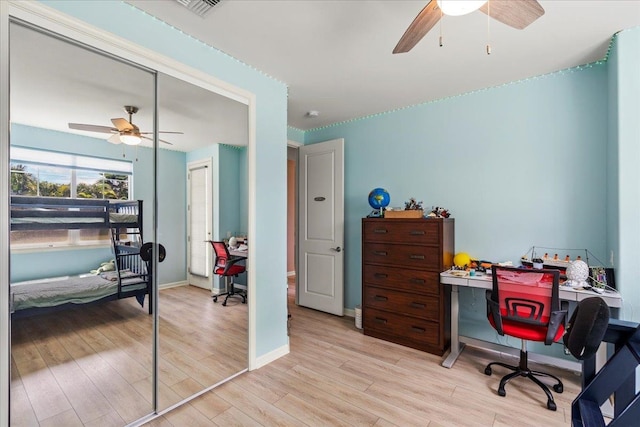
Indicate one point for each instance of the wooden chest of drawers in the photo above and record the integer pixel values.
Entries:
(402, 300)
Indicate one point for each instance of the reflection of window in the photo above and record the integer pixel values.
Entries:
(51, 174)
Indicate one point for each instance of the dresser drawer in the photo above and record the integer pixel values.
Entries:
(423, 306)
(407, 329)
(423, 231)
(402, 278)
(412, 256)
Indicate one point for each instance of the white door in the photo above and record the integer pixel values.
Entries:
(199, 224)
(321, 226)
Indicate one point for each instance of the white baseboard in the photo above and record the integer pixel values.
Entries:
(350, 312)
(172, 285)
(291, 273)
(265, 359)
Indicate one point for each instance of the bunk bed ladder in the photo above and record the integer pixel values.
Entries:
(134, 275)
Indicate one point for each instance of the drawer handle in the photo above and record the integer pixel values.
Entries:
(416, 256)
(381, 320)
(381, 275)
(380, 231)
(418, 329)
(380, 298)
(418, 281)
(417, 232)
(380, 253)
(417, 305)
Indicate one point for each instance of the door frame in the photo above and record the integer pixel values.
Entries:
(212, 209)
(296, 145)
(51, 19)
(340, 243)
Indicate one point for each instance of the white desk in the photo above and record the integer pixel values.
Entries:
(482, 281)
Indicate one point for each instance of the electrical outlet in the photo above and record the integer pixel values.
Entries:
(611, 258)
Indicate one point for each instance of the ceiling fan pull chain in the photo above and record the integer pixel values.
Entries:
(489, 27)
(440, 27)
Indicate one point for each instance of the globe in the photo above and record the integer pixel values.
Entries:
(379, 198)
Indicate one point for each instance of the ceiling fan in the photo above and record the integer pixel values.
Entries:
(124, 131)
(517, 14)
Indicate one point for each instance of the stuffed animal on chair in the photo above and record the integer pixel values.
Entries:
(105, 266)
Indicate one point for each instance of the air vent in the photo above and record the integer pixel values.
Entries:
(199, 7)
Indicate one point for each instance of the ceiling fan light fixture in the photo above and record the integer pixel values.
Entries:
(459, 7)
(130, 139)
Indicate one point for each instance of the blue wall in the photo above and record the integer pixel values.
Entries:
(517, 165)
(296, 135)
(624, 174)
(171, 215)
(268, 238)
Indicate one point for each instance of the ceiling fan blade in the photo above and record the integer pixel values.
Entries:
(92, 128)
(426, 19)
(517, 14)
(115, 139)
(162, 131)
(122, 124)
(161, 140)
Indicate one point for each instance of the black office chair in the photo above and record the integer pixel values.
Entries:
(227, 267)
(525, 304)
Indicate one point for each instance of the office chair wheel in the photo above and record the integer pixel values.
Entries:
(215, 299)
(487, 371)
(551, 405)
(224, 304)
(501, 392)
(558, 388)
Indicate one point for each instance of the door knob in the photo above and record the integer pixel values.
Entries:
(338, 249)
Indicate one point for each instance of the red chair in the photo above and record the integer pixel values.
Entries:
(525, 304)
(227, 267)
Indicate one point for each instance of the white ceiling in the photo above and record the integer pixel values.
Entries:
(54, 82)
(335, 56)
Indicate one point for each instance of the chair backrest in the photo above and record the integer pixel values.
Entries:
(587, 327)
(222, 254)
(528, 297)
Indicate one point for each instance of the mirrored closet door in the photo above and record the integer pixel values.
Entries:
(203, 186)
(92, 184)
(82, 206)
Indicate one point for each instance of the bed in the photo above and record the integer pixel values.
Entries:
(132, 274)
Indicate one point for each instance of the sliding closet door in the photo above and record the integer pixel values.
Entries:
(201, 343)
(82, 337)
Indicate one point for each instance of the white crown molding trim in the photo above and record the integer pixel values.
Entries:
(265, 359)
(294, 144)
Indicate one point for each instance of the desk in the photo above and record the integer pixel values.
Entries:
(235, 252)
(482, 281)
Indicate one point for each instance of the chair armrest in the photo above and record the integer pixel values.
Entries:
(231, 261)
(493, 309)
(557, 319)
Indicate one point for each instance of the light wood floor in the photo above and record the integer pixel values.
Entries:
(91, 365)
(336, 376)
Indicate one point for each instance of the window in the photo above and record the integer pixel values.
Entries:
(52, 174)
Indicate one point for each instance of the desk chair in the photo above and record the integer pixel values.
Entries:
(525, 304)
(226, 266)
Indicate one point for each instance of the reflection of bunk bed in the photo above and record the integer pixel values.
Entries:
(132, 274)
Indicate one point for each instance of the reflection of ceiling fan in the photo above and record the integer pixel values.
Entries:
(123, 132)
(517, 14)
